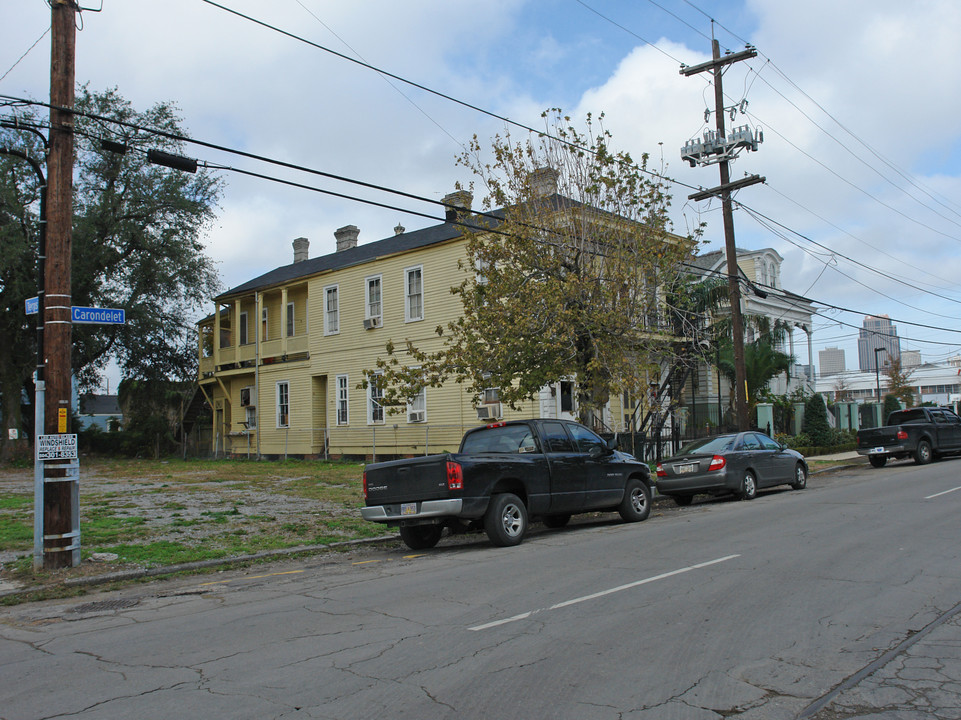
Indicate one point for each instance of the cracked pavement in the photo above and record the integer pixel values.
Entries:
(834, 602)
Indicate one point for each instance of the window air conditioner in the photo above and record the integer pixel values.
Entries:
(371, 323)
(416, 416)
(490, 411)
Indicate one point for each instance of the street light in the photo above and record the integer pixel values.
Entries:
(877, 369)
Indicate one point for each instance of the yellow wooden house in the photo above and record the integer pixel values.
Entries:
(283, 357)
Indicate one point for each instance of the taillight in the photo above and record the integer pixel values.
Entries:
(902, 435)
(717, 462)
(455, 476)
(365, 485)
(660, 471)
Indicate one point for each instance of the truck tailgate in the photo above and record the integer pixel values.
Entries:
(410, 480)
(878, 437)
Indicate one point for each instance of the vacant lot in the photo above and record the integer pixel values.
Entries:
(158, 513)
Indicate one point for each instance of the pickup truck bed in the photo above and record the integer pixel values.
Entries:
(503, 476)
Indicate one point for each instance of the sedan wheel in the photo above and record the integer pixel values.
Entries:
(800, 477)
(748, 486)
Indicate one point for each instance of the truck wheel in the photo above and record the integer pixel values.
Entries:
(556, 521)
(877, 461)
(800, 478)
(636, 505)
(506, 520)
(922, 456)
(420, 537)
(748, 486)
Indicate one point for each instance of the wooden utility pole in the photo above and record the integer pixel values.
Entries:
(59, 505)
(721, 149)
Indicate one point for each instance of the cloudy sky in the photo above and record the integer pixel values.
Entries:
(857, 100)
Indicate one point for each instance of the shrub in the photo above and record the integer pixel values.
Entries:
(815, 423)
(891, 404)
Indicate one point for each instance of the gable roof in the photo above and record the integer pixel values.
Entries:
(353, 256)
(371, 251)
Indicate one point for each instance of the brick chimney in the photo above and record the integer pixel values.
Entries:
(544, 182)
(300, 249)
(346, 237)
(456, 201)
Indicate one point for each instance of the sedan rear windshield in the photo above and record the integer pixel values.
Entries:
(709, 446)
(500, 439)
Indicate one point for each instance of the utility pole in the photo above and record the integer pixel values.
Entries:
(60, 522)
(718, 147)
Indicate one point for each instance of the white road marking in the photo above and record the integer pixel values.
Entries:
(942, 493)
(602, 593)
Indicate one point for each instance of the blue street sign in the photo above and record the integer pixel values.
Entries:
(108, 316)
(32, 305)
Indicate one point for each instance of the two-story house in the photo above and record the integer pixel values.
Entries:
(284, 356)
(762, 295)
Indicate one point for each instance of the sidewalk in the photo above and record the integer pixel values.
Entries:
(919, 679)
(838, 457)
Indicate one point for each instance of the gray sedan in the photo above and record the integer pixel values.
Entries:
(739, 464)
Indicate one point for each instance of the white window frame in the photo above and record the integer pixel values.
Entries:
(331, 328)
(375, 394)
(409, 298)
(242, 331)
(418, 405)
(342, 408)
(291, 325)
(251, 415)
(370, 306)
(264, 315)
(283, 404)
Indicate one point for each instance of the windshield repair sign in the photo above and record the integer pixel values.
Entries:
(57, 447)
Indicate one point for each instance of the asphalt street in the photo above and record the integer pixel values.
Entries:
(838, 601)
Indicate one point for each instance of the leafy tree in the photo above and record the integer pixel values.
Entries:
(565, 285)
(137, 244)
(899, 381)
(815, 424)
(891, 404)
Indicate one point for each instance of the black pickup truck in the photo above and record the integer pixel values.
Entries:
(505, 475)
(922, 433)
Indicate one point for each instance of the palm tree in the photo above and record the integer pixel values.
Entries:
(762, 360)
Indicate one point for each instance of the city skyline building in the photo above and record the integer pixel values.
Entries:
(831, 361)
(877, 332)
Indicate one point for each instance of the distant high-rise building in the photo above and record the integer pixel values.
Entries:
(831, 361)
(877, 332)
(910, 358)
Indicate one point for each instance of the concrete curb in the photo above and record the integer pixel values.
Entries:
(137, 573)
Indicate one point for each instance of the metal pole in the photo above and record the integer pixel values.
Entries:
(38, 478)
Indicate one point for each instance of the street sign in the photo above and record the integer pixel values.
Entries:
(57, 447)
(32, 305)
(108, 316)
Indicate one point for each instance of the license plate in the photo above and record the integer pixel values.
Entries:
(875, 451)
(684, 469)
(408, 509)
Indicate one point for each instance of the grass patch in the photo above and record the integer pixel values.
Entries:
(16, 502)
